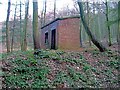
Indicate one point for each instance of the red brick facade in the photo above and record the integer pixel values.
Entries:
(67, 34)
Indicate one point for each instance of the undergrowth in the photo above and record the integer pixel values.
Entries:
(29, 70)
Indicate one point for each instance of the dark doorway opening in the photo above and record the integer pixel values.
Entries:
(46, 38)
(53, 39)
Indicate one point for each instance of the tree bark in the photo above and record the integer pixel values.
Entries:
(45, 12)
(99, 26)
(54, 9)
(119, 27)
(7, 27)
(21, 31)
(81, 45)
(13, 28)
(24, 43)
(91, 36)
(88, 19)
(36, 36)
(42, 18)
(107, 19)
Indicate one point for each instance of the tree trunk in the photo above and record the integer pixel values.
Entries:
(45, 12)
(36, 36)
(91, 36)
(88, 20)
(54, 9)
(99, 26)
(119, 27)
(81, 45)
(94, 26)
(7, 28)
(107, 19)
(41, 19)
(13, 28)
(21, 31)
(24, 43)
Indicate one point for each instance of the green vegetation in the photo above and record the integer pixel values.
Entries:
(60, 69)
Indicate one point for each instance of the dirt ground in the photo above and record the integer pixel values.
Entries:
(114, 47)
(88, 54)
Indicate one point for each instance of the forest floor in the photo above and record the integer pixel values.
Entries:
(61, 69)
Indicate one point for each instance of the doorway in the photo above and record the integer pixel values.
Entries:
(53, 39)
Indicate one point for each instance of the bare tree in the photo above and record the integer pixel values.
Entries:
(24, 42)
(13, 28)
(54, 9)
(91, 36)
(45, 7)
(7, 27)
(88, 16)
(107, 19)
(42, 17)
(21, 25)
(119, 26)
(35, 26)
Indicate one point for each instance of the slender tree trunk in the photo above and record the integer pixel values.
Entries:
(81, 45)
(25, 27)
(42, 15)
(36, 36)
(94, 27)
(7, 27)
(45, 12)
(107, 19)
(91, 36)
(119, 27)
(41, 19)
(21, 31)
(54, 9)
(13, 28)
(88, 20)
(99, 26)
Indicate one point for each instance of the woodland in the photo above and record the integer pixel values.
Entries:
(24, 64)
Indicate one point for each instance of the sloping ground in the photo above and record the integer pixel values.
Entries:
(60, 69)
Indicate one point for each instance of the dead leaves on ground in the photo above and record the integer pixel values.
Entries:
(61, 69)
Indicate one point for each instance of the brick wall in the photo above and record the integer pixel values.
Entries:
(48, 29)
(69, 34)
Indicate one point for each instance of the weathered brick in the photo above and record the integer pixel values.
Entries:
(67, 34)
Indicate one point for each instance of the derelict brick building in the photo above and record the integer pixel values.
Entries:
(62, 33)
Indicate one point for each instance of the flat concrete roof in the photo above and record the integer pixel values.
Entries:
(60, 19)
